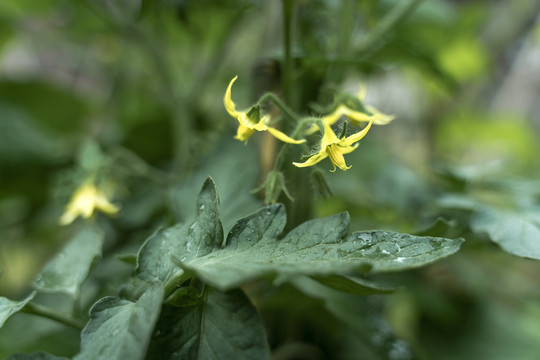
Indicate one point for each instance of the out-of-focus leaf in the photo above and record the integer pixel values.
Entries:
(352, 285)
(35, 356)
(464, 59)
(517, 234)
(10, 307)
(439, 228)
(224, 325)
(67, 271)
(22, 139)
(233, 178)
(52, 107)
(121, 329)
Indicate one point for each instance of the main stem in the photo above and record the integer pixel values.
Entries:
(46, 312)
(288, 63)
(395, 16)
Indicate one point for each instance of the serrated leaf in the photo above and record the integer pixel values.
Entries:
(10, 307)
(121, 329)
(187, 241)
(35, 356)
(221, 326)
(515, 233)
(316, 247)
(390, 251)
(67, 271)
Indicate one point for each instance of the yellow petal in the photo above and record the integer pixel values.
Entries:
(227, 99)
(357, 116)
(335, 115)
(329, 137)
(336, 157)
(312, 160)
(243, 133)
(347, 149)
(348, 141)
(362, 91)
(378, 117)
(281, 136)
(103, 204)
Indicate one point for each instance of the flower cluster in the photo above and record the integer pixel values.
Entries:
(331, 146)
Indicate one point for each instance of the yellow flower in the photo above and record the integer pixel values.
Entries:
(362, 113)
(334, 148)
(84, 201)
(247, 125)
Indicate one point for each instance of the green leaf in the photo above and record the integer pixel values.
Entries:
(224, 325)
(67, 271)
(516, 233)
(316, 247)
(10, 307)
(352, 285)
(190, 240)
(35, 356)
(121, 329)
(234, 180)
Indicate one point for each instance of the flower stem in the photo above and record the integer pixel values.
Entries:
(280, 104)
(46, 312)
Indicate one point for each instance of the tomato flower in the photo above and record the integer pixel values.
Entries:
(356, 111)
(334, 147)
(250, 120)
(84, 201)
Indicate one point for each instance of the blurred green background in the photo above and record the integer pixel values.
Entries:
(136, 87)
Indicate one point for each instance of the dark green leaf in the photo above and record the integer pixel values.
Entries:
(221, 326)
(35, 356)
(352, 285)
(517, 234)
(234, 180)
(67, 271)
(440, 227)
(187, 241)
(10, 307)
(316, 247)
(121, 329)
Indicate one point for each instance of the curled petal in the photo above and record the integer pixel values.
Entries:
(357, 116)
(348, 141)
(227, 100)
(281, 136)
(378, 117)
(312, 160)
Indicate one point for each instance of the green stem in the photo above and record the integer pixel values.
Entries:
(288, 64)
(46, 312)
(280, 104)
(393, 18)
(299, 127)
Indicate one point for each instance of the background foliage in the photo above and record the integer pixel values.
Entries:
(133, 90)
